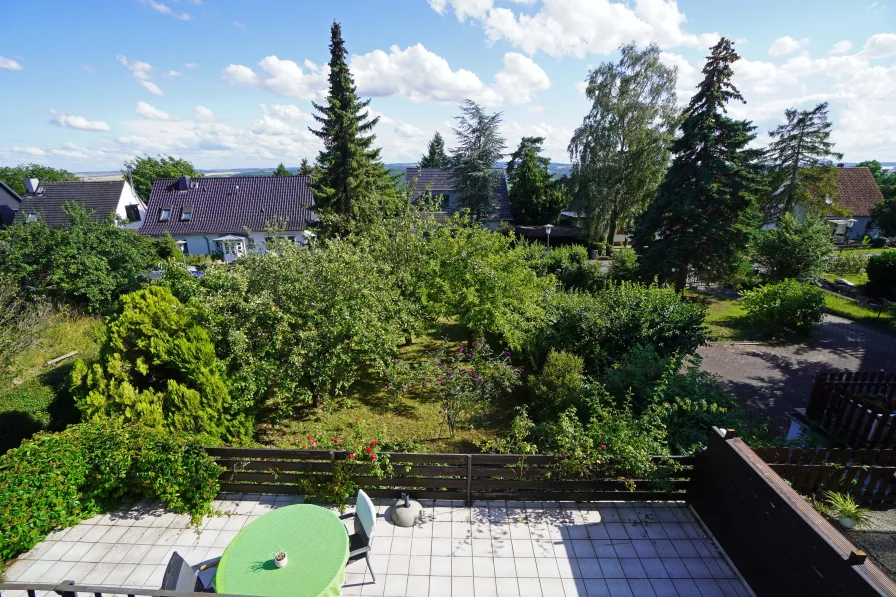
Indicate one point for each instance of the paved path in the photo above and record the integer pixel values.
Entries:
(773, 380)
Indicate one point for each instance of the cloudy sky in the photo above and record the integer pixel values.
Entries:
(229, 83)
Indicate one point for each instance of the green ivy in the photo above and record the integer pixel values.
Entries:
(55, 480)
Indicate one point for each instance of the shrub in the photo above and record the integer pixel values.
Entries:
(158, 366)
(572, 268)
(624, 266)
(878, 242)
(793, 250)
(849, 262)
(559, 385)
(789, 306)
(56, 480)
(882, 274)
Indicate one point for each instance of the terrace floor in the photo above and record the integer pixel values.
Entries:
(495, 548)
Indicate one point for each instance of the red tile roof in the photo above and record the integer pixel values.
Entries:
(857, 191)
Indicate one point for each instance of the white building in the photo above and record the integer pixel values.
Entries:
(45, 201)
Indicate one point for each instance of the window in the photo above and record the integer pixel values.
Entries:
(31, 218)
(164, 214)
(133, 212)
(186, 212)
(444, 202)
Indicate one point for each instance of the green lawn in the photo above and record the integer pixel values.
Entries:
(850, 309)
(414, 418)
(35, 396)
(726, 320)
(857, 279)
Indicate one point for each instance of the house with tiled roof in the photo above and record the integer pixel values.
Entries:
(10, 202)
(46, 200)
(441, 186)
(228, 215)
(857, 193)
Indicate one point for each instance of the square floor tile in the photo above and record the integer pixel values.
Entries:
(507, 587)
(417, 586)
(526, 568)
(611, 567)
(461, 587)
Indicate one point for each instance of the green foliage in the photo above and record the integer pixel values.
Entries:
(881, 271)
(351, 186)
(800, 155)
(624, 266)
(14, 176)
(534, 199)
(473, 160)
(705, 209)
(794, 251)
(281, 171)
(603, 328)
(849, 262)
(89, 264)
(484, 280)
(22, 320)
(305, 168)
(571, 266)
(886, 181)
(158, 367)
(167, 248)
(296, 326)
(841, 505)
(144, 170)
(620, 152)
(57, 480)
(435, 154)
(560, 384)
(789, 307)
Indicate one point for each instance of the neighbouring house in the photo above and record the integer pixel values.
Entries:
(228, 216)
(45, 200)
(9, 204)
(582, 221)
(441, 186)
(857, 192)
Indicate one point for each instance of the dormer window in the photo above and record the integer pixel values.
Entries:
(133, 212)
(186, 212)
(164, 214)
(31, 218)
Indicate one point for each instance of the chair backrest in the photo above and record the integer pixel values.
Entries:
(180, 576)
(365, 512)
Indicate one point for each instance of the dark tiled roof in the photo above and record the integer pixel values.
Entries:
(4, 188)
(9, 204)
(99, 198)
(440, 180)
(228, 205)
(857, 191)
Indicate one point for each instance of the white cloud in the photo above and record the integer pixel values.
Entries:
(238, 25)
(167, 10)
(88, 68)
(151, 87)
(174, 73)
(151, 112)
(288, 112)
(33, 151)
(9, 64)
(285, 77)
(581, 27)
(423, 76)
(786, 45)
(191, 65)
(142, 72)
(881, 45)
(841, 47)
(409, 130)
(203, 114)
(78, 122)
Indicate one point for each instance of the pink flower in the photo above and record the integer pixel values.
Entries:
(603, 447)
(461, 349)
(313, 444)
(335, 440)
(373, 456)
(351, 456)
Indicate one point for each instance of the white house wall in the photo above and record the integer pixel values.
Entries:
(129, 197)
(203, 244)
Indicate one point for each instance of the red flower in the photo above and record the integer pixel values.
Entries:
(373, 456)
(335, 440)
(373, 443)
(351, 456)
(357, 419)
(603, 447)
(303, 446)
(368, 449)
(310, 437)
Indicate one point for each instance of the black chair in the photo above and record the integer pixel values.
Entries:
(180, 576)
(360, 542)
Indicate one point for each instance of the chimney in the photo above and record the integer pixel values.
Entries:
(839, 165)
(183, 183)
(32, 184)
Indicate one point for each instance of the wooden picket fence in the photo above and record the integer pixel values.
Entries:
(467, 477)
(840, 404)
(868, 475)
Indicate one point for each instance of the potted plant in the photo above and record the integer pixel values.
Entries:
(847, 512)
(280, 558)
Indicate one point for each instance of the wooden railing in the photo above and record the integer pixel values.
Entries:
(847, 406)
(69, 588)
(867, 475)
(775, 539)
(464, 477)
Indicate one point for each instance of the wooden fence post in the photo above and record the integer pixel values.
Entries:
(469, 479)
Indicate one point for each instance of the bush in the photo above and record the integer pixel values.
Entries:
(882, 274)
(878, 242)
(559, 385)
(789, 306)
(793, 250)
(624, 266)
(849, 262)
(572, 268)
(56, 480)
(158, 366)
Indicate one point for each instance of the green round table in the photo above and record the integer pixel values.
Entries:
(316, 546)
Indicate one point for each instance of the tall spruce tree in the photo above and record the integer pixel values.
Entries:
(352, 186)
(800, 158)
(473, 160)
(435, 154)
(621, 150)
(281, 171)
(534, 198)
(705, 210)
(305, 168)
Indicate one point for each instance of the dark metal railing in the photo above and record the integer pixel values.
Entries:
(68, 588)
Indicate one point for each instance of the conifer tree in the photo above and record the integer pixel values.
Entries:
(534, 198)
(305, 168)
(800, 158)
(435, 154)
(281, 171)
(473, 161)
(351, 184)
(705, 210)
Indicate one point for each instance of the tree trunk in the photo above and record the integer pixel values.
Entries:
(611, 233)
(469, 339)
(408, 338)
(681, 277)
(315, 394)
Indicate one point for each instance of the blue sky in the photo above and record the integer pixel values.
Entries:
(229, 83)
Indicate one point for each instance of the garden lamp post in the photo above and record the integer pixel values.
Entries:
(547, 230)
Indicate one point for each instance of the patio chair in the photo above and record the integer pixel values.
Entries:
(359, 542)
(180, 576)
